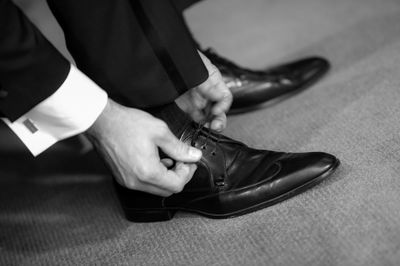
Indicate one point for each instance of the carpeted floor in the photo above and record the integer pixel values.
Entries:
(60, 209)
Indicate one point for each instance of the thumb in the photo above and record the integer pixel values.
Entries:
(178, 150)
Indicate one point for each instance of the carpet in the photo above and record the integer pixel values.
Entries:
(60, 208)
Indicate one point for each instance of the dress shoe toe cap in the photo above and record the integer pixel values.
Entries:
(309, 68)
(299, 169)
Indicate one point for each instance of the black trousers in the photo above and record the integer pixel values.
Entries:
(139, 51)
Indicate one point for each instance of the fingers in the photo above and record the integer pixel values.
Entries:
(128, 140)
(165, 182)
(215, 90)
(135, 184)
(199, 101)
(167, 162)
(182, 174)
(153, 175)
(153, 190)
(224, 103)
(222, 99)
(219, 122)
(212, 92)
(176, 149)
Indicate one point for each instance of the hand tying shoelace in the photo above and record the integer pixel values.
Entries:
(202, 127)
(231, 179)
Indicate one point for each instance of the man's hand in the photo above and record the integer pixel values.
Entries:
(128, 140)
(210, 100)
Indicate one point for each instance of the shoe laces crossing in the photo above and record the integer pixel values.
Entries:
(201, 128)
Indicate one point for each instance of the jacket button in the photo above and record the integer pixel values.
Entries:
(3, 94)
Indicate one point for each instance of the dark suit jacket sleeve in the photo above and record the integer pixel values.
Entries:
(31, 69)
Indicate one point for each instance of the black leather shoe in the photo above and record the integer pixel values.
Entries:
(232, 179)
(251, 89)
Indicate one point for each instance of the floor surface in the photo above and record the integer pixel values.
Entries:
(60, 209)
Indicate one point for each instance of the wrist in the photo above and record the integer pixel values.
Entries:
(98, 126)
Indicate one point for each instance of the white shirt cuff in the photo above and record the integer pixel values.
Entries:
(71, 110)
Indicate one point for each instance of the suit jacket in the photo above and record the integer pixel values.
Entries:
(139, 51)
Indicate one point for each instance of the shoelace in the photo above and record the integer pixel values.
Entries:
(201, 127)
(220, 180)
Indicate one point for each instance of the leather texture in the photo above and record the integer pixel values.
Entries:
(232, 179)
(251, 88)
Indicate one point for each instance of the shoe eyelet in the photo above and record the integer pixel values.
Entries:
(213, 153)
(204, 147)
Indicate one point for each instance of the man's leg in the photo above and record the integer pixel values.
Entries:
(231, 178)
(130, 48)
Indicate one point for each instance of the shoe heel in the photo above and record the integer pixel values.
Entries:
(147, 216)
(142, 207)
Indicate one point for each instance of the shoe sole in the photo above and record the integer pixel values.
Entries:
(276, 100)
(165, 214)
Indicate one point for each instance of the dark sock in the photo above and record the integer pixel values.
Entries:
(176, 119)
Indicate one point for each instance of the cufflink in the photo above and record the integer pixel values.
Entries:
(30, 126)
